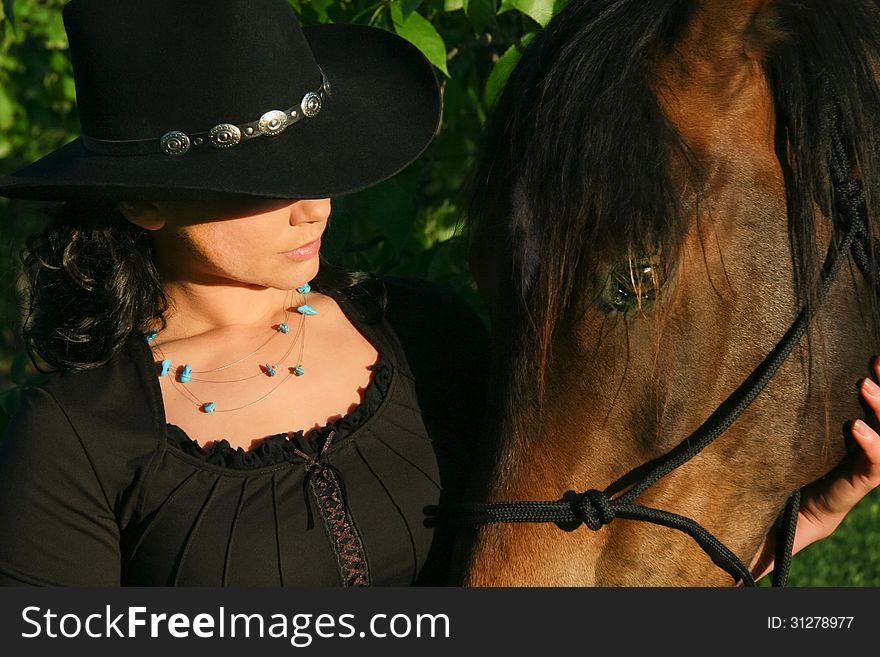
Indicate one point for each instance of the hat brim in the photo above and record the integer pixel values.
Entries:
(382, 113)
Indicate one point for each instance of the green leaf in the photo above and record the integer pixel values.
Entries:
(416, 29)
(7, 110)
(9, 12)
(559, 5)
(503, 67)
(541, 11)
(453, 5)
(409, 6)
(320, 8)
(480, 13)
(69, 88)
(396, 202)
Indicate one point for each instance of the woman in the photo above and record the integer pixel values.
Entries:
(168, 456)
(173, 289)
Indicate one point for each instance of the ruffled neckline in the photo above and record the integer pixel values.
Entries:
(281, 447)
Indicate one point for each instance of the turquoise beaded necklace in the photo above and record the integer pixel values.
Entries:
(184, 376)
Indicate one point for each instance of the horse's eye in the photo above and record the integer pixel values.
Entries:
(631, 284)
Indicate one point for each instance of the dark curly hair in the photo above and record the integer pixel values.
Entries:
(92, 282)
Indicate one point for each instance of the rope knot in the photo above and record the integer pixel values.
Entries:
(595, 509)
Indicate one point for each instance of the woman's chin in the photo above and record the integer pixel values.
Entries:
(299, 273)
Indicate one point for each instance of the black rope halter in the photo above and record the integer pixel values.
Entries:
(597, 508)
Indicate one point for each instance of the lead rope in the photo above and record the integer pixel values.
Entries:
(597, 508)
(849, 193)
(785, 530)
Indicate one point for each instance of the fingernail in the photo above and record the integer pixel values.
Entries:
(870, 388)
(860, 428)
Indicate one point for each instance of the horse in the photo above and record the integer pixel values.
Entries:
(651, 207)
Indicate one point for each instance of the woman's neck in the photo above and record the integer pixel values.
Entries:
(201, 310)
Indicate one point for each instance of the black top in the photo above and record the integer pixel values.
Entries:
(98, 489)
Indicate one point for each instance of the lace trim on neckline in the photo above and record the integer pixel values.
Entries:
(280, 447)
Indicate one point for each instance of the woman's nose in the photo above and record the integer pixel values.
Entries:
(309, 211)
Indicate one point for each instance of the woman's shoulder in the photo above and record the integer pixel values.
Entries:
(108, 413)
(432, 322)
(434, 317)
(445, 344)
(428, 298)
(61, 491)
(430, 306)
(119, 389)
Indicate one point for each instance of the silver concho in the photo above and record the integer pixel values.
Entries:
(273, 122)
(174, 143)
(224, 135)
(311, 104)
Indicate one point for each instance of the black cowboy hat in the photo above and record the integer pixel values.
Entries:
(183, 99)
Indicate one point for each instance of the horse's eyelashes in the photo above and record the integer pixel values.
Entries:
(631, 284)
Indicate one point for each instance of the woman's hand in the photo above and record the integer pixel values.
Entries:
(825, 503)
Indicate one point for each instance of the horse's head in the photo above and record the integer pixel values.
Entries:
(651, 209)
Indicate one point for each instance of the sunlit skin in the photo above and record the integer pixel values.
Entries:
(224, 271)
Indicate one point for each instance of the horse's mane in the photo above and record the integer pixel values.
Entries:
(578, 146)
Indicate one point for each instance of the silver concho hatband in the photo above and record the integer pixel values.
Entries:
(174, 143)
(311, 104)
(226, 135)
(273, 123)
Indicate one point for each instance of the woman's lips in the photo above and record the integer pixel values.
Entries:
(305, 252)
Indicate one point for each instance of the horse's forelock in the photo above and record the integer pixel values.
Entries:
(581, 165)
(575, 164)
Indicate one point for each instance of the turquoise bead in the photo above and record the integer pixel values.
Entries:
(306, 309)
(304, 289)
(186, 375)
(299, 371)
(165, 365)
(270, 370)
(284, 328)
(150, 336)
(209, 407)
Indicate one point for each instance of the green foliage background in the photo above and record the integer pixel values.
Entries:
(405, 226)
